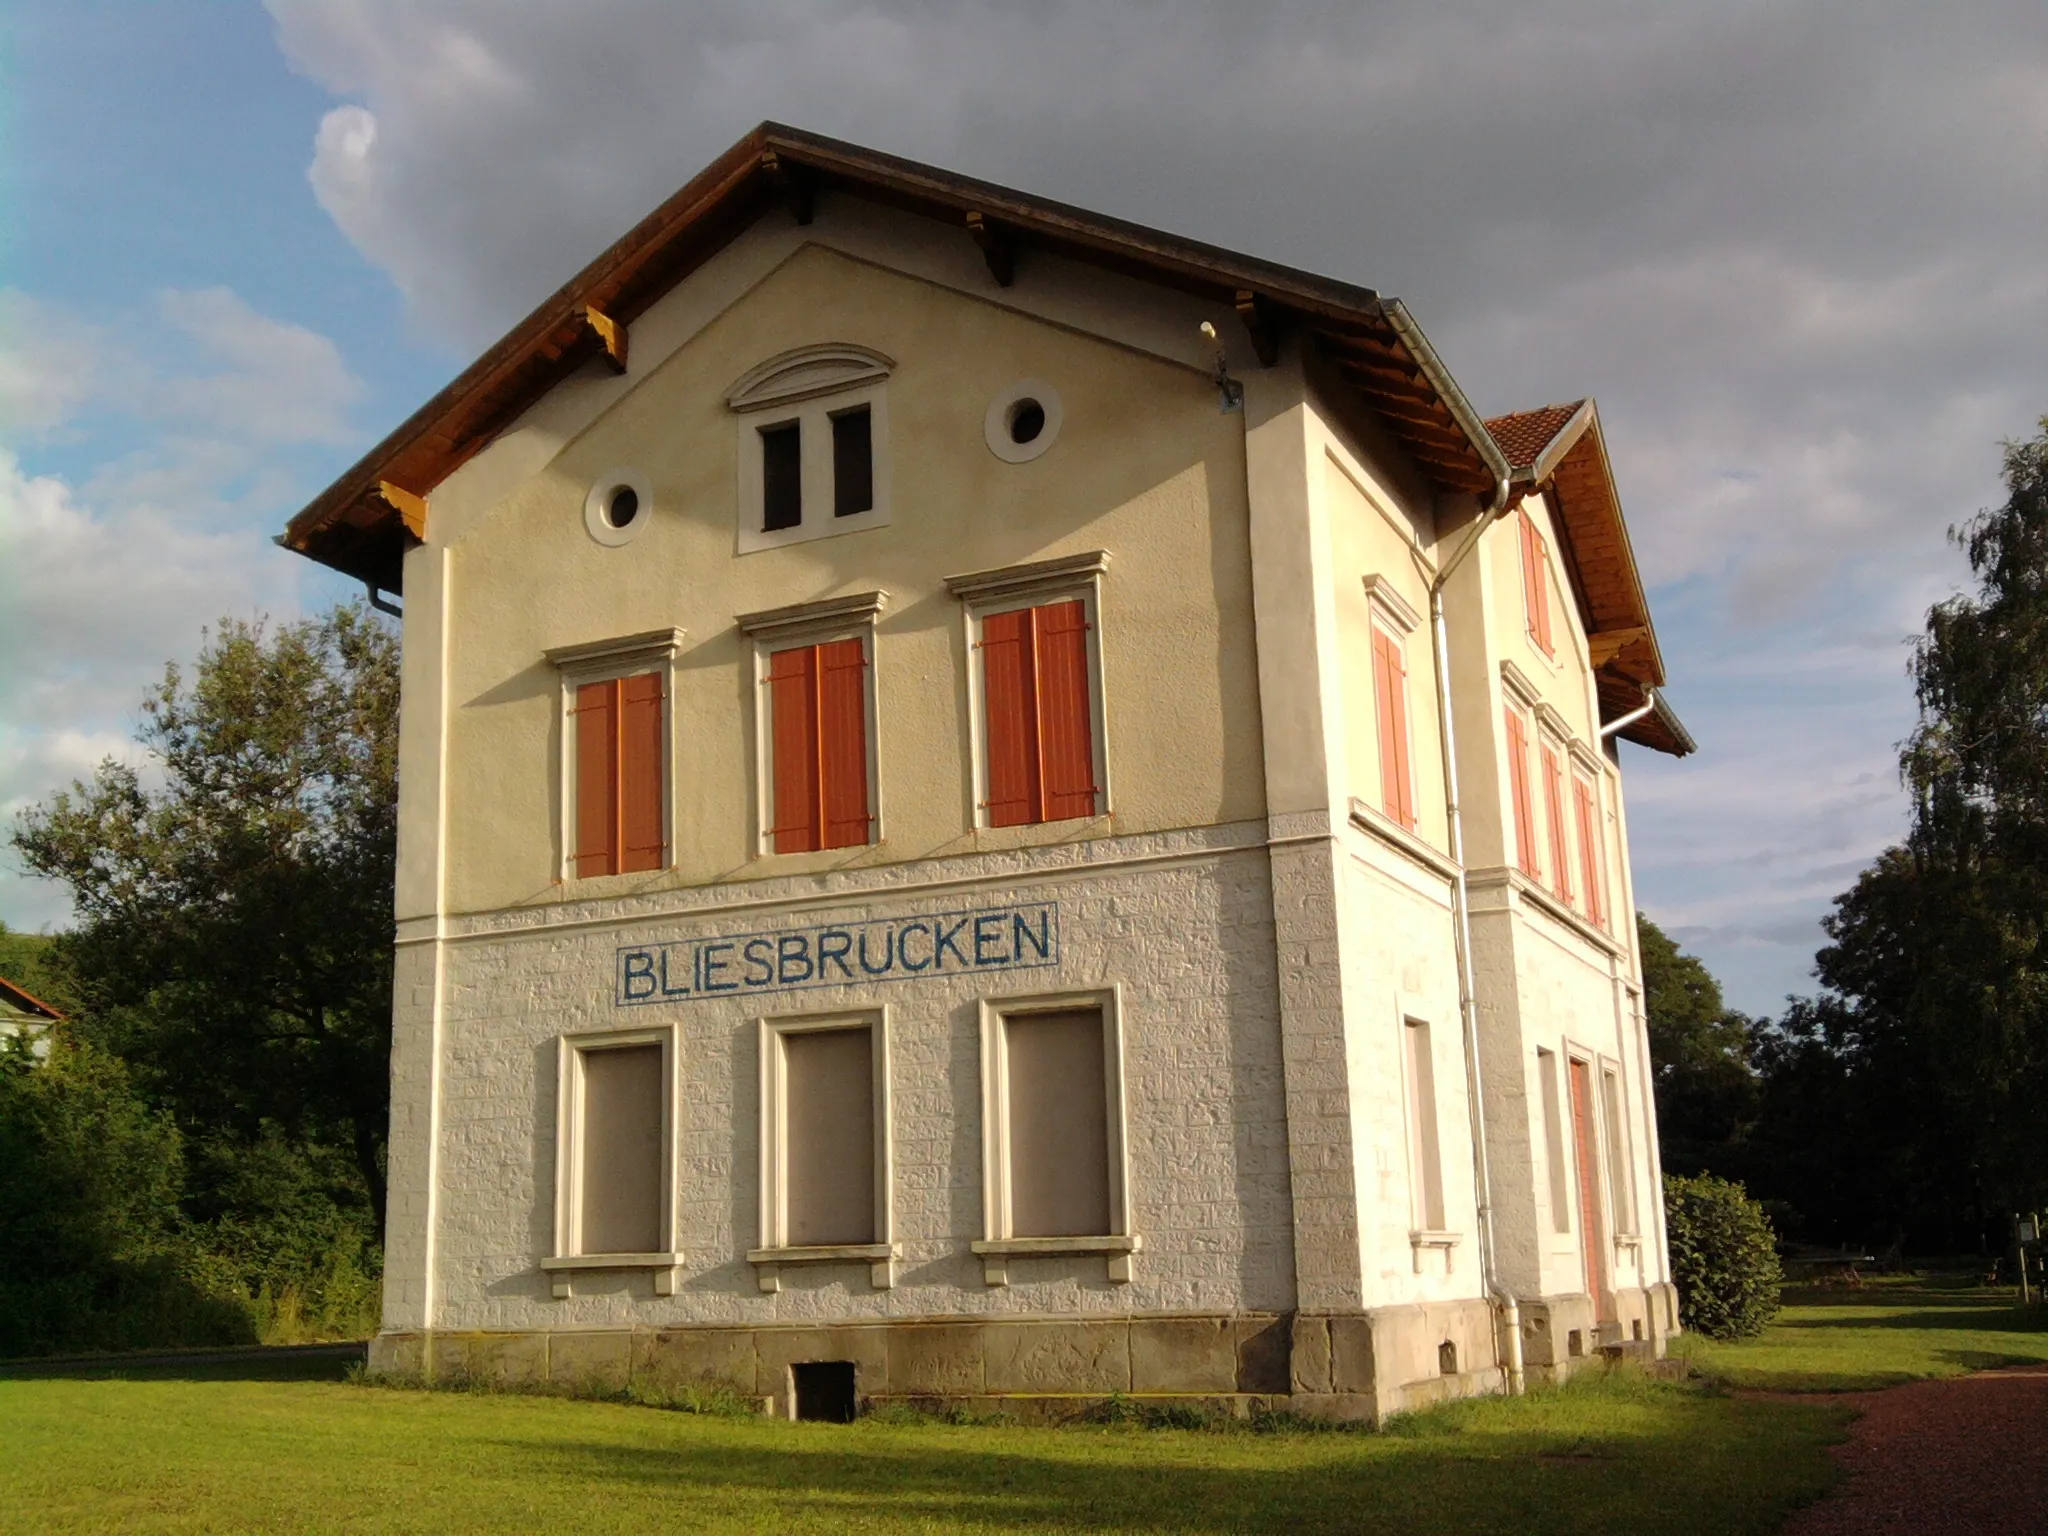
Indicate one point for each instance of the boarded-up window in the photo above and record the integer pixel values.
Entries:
(782, 476)
(1425, 1149)
(1518, 791)
(818, 746)
(619, 1131)
(853, 463)
(1553, 1141)
(1058, 1114)
(1592, 860)
(1620, 1169)
(1390, 699)
(1553, 813)
(1536, 583)
(1039, 706)
(621, 775)
(828, 1136)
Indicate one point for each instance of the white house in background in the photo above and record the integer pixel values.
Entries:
(991, 803)
(23, 1013)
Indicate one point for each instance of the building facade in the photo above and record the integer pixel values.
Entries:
(995, 805)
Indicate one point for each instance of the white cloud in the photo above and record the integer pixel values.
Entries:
(1793, 250)
(192, 429)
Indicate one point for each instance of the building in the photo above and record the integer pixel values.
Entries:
(927, 865)
(24, 1014)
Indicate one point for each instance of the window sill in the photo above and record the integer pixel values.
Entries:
(1422, 1243)
(879, 1257)
(1550, 906)
(562, 1268)
(996, 1252)
(1401, 839)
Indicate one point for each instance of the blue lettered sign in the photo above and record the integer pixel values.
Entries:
(1014, 938)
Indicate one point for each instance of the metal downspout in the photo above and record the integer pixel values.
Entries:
(1468, 1001)
(1629, 719)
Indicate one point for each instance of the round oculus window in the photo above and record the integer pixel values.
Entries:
(618, 506)
(1023, 421)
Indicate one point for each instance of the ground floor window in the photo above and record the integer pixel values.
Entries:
(1054, 1179)
(614, 1153)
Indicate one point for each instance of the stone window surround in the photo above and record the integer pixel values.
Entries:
(810, 385)
(565, 1262)
(596, 661)
(815, 623)
(773, 1253)
(1065, 578)
(1596, 1062)
(997, 1247)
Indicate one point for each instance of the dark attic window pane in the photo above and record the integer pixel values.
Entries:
(853, 464)
(782, 477)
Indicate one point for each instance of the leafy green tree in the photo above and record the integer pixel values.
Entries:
(233, 897)
(1700, 1054)
(1910, 1101)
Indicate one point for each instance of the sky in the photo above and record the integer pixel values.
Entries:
(1796, 253)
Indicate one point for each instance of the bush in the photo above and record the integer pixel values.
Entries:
(93, 1255)
(1724, 1257)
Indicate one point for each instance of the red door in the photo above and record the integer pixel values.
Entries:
(1592, 1230)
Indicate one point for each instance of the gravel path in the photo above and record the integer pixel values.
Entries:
(1965, 1455)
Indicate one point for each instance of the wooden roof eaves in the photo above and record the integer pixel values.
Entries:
(623, 280)
(26, 1000)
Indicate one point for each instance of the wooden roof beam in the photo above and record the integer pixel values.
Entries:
(611, 335)
(996, 248)
(1262, 324)
(410, 507)
(792, 183)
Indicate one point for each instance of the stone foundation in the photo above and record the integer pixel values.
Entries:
(1560, 1334)
(1360, 1365)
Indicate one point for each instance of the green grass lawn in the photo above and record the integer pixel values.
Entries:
(281, 1445)
(158, 1453)
(1890, 1329)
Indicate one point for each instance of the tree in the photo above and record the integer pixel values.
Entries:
(234, 903)
(1911, 1099)
(1700, 1055)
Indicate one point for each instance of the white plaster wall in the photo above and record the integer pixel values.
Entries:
(1400, 963)
(1189, 938)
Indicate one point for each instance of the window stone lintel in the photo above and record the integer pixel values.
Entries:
(1036, 576)
(774, 623)
(652, 645)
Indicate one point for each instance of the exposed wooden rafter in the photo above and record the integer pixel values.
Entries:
(611, 335)
(1610, 643)
(792, 183)
(996, 248)
(1261, 324)
(410, 507)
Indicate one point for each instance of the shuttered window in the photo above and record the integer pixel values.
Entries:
(818, 746)
(1039, 705)
(1390, 698)
(1592, 864)
(1536, 583)
(1518, 791)
(1553, 813)
(621, 761)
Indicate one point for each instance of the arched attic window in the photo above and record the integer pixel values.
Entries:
(813, 444)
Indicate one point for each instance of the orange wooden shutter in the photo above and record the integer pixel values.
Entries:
(1536, 582)
(641, 742)
(1010, 701)
(1390, 694)
(597, 778)
(1590, 860)
(1560, 840)
(843, 741)
(793, 750)
(1518, 787)
(1066, 736)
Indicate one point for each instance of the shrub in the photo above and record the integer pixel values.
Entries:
(1724, 1257)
